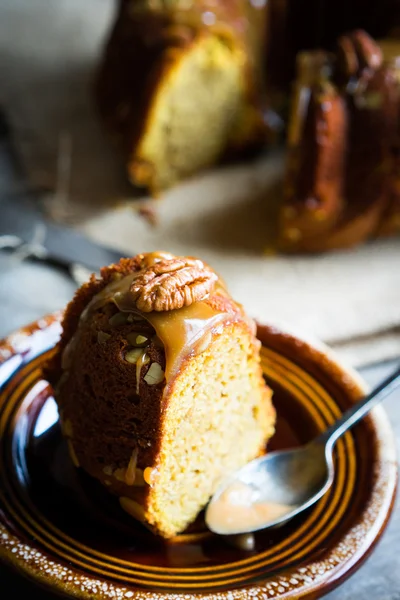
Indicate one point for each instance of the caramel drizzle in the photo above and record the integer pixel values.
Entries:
(141, 361)
(184, 332)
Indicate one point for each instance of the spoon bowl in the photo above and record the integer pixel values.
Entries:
(279, 484)
(272, 489)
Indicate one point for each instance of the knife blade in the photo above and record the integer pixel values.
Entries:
(26, 230)
(63, 245)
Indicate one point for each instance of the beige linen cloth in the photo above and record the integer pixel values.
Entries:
(48, 52)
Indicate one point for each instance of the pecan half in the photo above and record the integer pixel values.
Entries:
(171, 284)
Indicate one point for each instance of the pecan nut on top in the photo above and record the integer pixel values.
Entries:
(172, 283)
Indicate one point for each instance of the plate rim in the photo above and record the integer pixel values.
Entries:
(334, 366)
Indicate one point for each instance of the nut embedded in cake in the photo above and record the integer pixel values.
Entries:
(158, 382)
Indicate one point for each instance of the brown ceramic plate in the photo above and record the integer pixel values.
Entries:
(59, 529)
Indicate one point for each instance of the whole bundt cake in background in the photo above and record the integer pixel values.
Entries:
(185, 84)
(178, 86)
(342, 183)
(159, 386)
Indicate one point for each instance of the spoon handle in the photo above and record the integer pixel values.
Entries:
(360, 409)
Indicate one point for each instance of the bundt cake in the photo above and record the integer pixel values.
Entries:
(178, 86)
(342, 183)
(159, 387)
(184, 84)
(294, 27)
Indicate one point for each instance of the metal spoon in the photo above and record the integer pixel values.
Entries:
(272, 489)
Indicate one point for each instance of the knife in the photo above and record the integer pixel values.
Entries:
(25, 230)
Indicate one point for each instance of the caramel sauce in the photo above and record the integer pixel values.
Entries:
(142, 360)
(184, 332)
(237, 509)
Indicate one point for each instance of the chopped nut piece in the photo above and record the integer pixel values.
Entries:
(132, 507)
(137, 340)
(102, 337)
(132, 318)
(119, 318)
(132, 356)
(154, 375)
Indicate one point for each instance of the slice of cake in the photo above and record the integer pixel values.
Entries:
(158, 382)
(177, 89)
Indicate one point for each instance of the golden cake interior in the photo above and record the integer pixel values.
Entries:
(178, 94)
(217, 420)
(185, 132)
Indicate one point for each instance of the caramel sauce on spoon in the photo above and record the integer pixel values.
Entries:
(237, 508)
